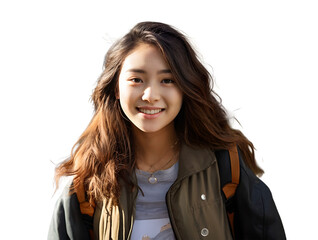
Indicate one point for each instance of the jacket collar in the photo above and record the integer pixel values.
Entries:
(194, 159)
(191, 160)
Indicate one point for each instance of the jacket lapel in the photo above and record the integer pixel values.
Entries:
(192, 160)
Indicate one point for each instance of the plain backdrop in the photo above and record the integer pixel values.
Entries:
(263, 56)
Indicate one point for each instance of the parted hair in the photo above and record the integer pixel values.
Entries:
(103, 157)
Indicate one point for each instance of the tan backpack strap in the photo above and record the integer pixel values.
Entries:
(235, 165)
(230, 188)
(85, 207)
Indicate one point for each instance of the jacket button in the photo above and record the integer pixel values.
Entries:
(204, 232)
(203, 197)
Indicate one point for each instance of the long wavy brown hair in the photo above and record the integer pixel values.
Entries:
(104, 154)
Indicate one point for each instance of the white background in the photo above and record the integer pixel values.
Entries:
(263, 55)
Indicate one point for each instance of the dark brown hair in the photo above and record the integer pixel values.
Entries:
(103, 155)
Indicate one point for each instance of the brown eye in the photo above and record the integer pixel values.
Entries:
(136, 80)
(167, 81)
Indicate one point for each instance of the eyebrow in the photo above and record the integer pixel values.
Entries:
(137, 70)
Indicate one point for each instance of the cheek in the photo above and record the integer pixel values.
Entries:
(122, 92)
(177, 98)
(127, 99)
(126, 94)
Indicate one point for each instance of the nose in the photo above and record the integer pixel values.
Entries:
(151, 94)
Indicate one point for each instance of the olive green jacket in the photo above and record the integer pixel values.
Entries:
(194, 203)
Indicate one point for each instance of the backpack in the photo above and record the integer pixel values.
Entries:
(250, 207)
(251, 210)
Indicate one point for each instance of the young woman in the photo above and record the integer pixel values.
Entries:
(146, 166)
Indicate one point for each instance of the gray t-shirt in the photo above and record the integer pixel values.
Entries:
(152, 219)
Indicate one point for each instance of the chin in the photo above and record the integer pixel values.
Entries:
(149, 130)
(153, 129)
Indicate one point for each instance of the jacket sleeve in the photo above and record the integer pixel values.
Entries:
(67, 221)
(256, 215)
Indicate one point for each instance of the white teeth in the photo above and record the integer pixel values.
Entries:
(153, 111)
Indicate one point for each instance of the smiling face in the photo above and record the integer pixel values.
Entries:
(148, 93)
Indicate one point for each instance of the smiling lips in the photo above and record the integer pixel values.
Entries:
(151, 111)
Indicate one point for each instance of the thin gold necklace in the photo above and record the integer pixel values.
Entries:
(151, 177)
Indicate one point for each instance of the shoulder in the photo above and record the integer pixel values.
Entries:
(67, 221)
(66, 202)
(224, 165)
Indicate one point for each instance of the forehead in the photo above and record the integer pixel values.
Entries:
(145, 56)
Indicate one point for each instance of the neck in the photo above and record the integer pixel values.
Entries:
(155, 151)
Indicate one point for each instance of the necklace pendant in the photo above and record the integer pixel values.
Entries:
(152, 179)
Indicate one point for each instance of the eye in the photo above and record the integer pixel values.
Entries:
(136, 80)
(167, 81)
